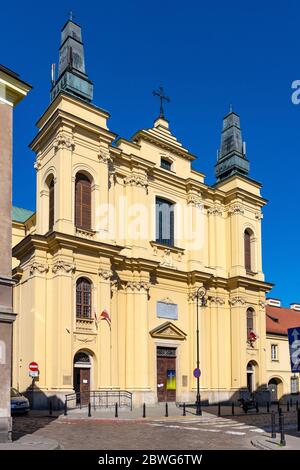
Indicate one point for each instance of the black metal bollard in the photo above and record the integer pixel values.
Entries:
(273, 429)
(219, 409)
(232, 408)
(298, 419)
(144, 410)
(268, 407)
(287, 406)
(116, 410)
(50, 407)
(281, 428)
(184, 413)
(89, 410)
(65, 408)
(256, 407)
(167, 410)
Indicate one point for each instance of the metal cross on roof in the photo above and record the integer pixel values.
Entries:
(162, 97)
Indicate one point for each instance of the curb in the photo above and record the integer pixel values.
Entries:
(267, 444)
(29, 442)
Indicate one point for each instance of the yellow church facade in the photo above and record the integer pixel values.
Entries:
(125, 233)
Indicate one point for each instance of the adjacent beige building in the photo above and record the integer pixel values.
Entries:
(282, 383)
(127, 229)
(12, 90)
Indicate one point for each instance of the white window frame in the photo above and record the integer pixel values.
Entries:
(274, 347)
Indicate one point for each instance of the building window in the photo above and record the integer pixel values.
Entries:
(164, 222)
(250, 321)
(294, 385)
(51, 204)
(274, 352)
(165, 164)
(83, 298)
(83, 202)
(247, 250)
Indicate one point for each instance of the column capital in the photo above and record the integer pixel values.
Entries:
(137, 180)
(63, 266)
(105, 273)
(137, 286)
(63, 141)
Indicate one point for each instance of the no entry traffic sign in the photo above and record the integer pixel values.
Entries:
(33, 369)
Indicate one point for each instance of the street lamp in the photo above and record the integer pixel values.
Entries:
(200, 294)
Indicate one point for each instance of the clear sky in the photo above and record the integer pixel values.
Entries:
(206, 55)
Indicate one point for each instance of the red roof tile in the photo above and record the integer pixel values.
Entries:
(279, 319)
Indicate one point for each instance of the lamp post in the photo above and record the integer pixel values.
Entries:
(200, 294)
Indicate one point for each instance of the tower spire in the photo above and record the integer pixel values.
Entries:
(72, 77)
(231, 157)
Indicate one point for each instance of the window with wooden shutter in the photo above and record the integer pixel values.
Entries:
(83, 199)
(83, 298)
(51, 204)
(164, 222)
(250, 321)
(247, 249)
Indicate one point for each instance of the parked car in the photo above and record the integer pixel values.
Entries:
(18, 403)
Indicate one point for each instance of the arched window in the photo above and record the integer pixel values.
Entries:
(247, 250)
(51, 204)
(164, 222)
(83, 202)
(83, 298)
(250, 321)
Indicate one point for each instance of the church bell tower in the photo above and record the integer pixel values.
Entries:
(72, 77)
(232, 155)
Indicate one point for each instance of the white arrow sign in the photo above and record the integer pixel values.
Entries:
(295, 356)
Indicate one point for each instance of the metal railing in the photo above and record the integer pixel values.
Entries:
(99, 399)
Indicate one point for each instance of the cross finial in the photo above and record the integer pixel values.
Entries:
(71, 16)
(230, 108)
(162, 97)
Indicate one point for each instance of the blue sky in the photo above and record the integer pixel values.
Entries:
(206, 55)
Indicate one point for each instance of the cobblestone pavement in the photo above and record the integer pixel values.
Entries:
(191, 433)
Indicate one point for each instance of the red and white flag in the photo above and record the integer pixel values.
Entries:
(105, 316)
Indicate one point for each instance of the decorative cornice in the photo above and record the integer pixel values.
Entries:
(136, 180)
(194, 199)
(105, 274)
(237, 301)
(262, 304)
(63, 266)
(37, 165)
(138, 285)
(167, 300)
(215, 210)
(39, 267)
(85, 233)
(259, 215)
(236, 209)
(63, 141)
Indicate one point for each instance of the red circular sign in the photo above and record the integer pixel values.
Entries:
(33, 366)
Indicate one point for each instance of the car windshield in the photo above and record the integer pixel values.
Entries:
(14, 393)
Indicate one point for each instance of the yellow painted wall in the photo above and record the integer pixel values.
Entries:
(129, 272)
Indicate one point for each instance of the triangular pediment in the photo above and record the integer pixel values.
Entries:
(168, 331)
(161, 136)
